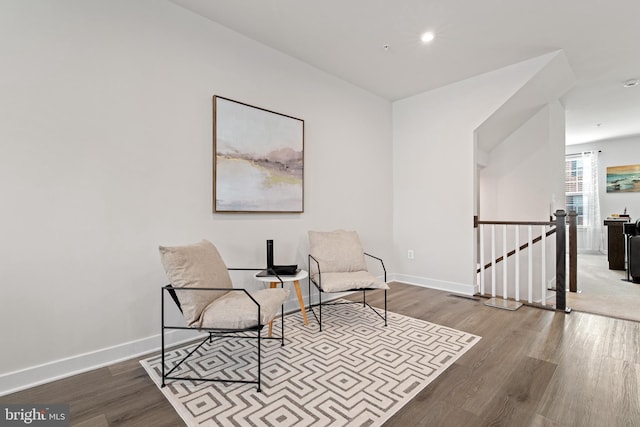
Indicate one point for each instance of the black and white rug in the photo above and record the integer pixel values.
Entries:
(355, 372)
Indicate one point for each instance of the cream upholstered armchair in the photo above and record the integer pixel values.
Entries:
(337, 264)
(201, 287)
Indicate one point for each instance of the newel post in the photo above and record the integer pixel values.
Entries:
(561, 260)
(573, 252)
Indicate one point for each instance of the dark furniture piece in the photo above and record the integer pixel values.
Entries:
(615, 243)
(632, 231)
(634, 258)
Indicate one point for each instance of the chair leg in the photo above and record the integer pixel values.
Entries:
(320, 308)
(282, 325)
(259, 355)
(162, 331)
(385, 307)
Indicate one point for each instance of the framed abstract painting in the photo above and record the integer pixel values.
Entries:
(258, 159)
(623, 179)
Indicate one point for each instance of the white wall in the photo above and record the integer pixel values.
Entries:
(524, 181)
(614, 152)
(434, 175)
(106, 152)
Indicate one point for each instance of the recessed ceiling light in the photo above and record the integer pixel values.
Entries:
(427, 37)
(631, 83)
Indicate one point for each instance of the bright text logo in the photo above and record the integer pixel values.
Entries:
(34, 415)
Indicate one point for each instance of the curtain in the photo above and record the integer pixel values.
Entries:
(593, 229)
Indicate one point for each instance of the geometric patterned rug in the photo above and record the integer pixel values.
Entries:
(356, 372)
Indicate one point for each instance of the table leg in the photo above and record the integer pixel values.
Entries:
(272, 285)
(296, 284)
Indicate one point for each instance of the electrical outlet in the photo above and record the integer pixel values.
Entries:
(410, 254)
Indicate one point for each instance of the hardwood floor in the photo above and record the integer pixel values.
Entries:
(531, 368)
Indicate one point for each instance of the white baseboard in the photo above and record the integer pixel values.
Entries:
(58, 369)
(63, 368)
(457, 288)
(15, 381)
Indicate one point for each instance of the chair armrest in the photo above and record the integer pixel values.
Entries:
(172, 291)
(174, 296)
(170, 287)
(311, 257)
(381, 262)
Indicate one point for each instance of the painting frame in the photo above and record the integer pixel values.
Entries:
(623, 179)
(258, 159)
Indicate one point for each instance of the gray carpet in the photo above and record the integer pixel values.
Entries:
(604, 291)
(355, 372)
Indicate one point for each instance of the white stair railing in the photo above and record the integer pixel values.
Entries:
(529, 260)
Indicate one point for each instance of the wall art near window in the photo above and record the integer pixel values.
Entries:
(623, 179)
(258, 159)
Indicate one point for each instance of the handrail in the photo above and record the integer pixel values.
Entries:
(516, 222)
(522, 247)
(559, 228)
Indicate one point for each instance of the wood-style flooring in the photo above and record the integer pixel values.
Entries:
(533, 367)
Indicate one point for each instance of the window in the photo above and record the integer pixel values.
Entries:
(581, 187)
(582, 197)
(573, 177)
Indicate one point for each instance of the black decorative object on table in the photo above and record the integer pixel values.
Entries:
(277, 270)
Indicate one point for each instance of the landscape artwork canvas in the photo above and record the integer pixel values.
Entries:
(258, 159)
(623, 179)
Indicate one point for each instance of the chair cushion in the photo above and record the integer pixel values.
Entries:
(236, 310)
(195, 266)
(339, 282)
(336, 251)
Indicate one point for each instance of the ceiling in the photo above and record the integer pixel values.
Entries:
(347, 38)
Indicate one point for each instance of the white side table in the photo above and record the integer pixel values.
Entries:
(274, 282)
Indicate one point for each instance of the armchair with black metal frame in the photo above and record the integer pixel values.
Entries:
(202, 289)
(337, 264)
